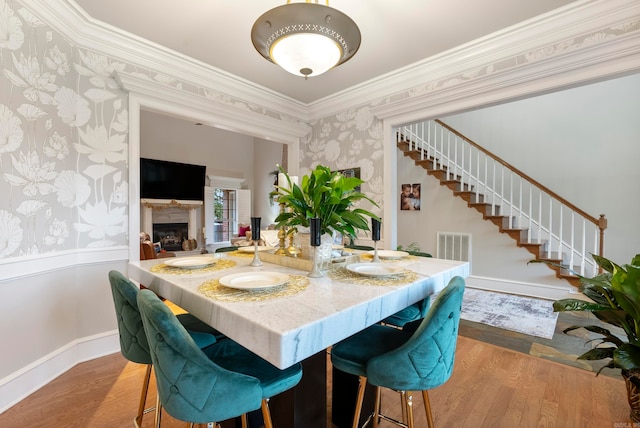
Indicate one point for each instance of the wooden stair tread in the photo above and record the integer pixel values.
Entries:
(467, 194)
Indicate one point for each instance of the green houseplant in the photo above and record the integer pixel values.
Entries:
(614, 299)
(323, 194)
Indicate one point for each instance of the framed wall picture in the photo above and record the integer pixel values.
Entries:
(410, 197)
(351, 172)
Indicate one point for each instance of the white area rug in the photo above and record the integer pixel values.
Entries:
(527, 315)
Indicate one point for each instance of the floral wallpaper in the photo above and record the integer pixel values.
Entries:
(350, 139)
(63, 142)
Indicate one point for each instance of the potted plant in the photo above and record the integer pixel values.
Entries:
(614, 299)
(327, 195)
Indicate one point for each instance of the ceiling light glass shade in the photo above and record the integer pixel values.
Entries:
(306, 51)
(305, 39)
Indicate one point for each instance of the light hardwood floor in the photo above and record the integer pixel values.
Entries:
(491, 387)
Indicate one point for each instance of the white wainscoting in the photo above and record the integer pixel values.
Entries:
(56, 311)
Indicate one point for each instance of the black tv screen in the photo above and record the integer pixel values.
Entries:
(171, 180)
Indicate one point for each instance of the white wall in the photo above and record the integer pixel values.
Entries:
(267, 154)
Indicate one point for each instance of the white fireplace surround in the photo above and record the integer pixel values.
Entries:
(170, 211)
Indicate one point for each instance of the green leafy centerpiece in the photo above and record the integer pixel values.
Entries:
(327, 195)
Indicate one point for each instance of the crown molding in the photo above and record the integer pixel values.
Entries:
(69, 19)
(598, 62)
(214, 112)
(507, 46)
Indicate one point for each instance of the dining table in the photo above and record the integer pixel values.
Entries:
(286, 317)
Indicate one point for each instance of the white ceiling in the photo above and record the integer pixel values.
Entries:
(394, 34)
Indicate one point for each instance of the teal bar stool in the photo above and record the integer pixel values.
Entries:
(133, 341)
(417, 358)
(413, 312)
(207, 385)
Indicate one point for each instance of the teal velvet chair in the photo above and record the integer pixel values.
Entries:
(207, 385)
(413, 312)
(133, 341)
(417, 358)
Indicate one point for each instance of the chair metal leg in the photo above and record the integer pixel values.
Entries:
(409, 401)
(376, 408)
(403, 405)
(243, 419)
(266, 413)
(361, 388)
(427, 408)
(158, 411)
(143, 397)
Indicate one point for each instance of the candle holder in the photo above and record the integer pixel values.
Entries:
(375, 236)
(292, 249)
(282, 235)
(314, 229)
(255, 235)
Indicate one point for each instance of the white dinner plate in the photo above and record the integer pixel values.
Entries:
(190, 262)
(254, 280)
(374, 269)
(251, 249)
(390, 254)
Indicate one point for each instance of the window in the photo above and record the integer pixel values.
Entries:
(225, 215)
(225, 207)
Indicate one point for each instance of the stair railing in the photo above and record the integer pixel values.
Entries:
(566, 233)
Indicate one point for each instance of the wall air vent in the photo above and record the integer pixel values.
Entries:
(454, 246)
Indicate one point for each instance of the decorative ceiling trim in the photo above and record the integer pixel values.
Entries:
(85, 32)
(506, 46)
(458, 93)
(218, 112)
(551, 36)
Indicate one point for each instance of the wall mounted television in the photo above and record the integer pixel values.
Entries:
(171, 180)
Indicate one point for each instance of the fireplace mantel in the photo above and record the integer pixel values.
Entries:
(170, 203)
(148, 206)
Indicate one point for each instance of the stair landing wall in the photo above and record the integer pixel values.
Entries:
(496, 262)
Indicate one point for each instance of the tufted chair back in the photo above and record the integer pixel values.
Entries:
(191, 387)
(133, 341)
(425, 361)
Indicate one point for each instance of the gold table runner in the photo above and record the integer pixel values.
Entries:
(217, 291)
(237, 253)
(220, 264)
(342, 274)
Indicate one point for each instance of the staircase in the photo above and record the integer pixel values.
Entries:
(548, 226)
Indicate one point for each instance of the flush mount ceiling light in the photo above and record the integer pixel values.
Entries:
(306, 39)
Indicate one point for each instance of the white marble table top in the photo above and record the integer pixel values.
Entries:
(289, 329)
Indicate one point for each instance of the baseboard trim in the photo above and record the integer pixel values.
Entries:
(24, 382)
(540, 291)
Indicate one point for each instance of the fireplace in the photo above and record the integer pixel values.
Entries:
(170, 235)
(159, 217)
